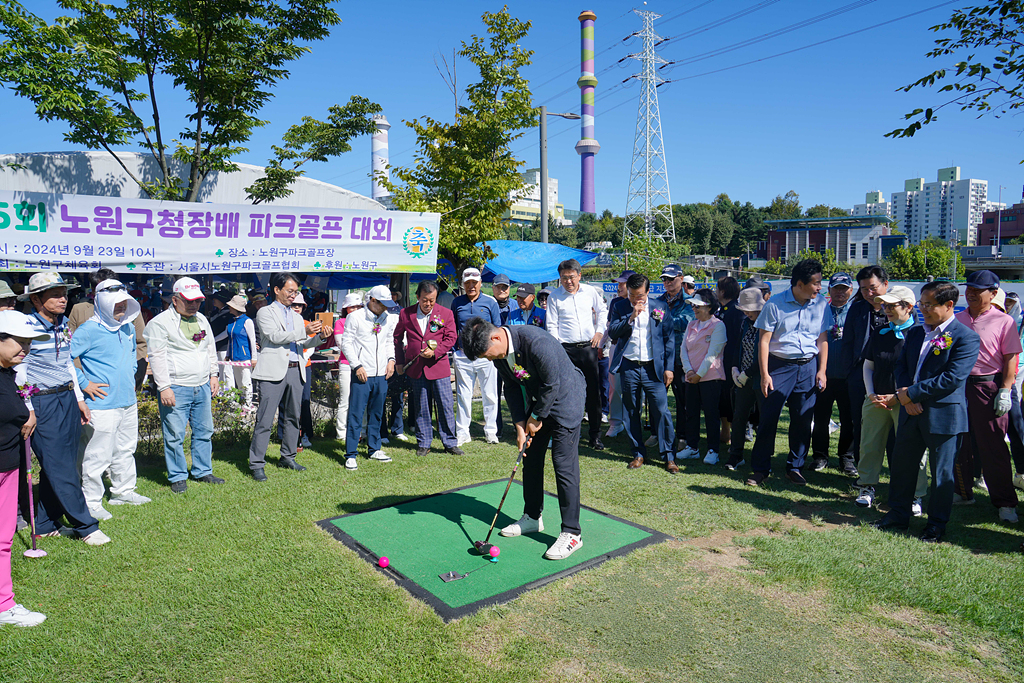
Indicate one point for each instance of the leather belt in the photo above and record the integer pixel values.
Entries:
(293, 363)
(974, 379)
(793, 361)
(641, 363)
(56, 390)
(575, 345)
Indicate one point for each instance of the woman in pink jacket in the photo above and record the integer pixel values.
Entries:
(701, 356)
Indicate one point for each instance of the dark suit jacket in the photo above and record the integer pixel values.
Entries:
(409, 341)
(554, 388)
(855, 338)
(733, 319)
(940, 386)
(661, 334)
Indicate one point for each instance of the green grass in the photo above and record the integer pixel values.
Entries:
(781, 583)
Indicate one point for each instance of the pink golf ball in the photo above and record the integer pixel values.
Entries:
(495, 551)
(383, 562)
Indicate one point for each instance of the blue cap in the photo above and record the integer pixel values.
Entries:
(671, 271)
(983, 279)
(501, 280)
(840, 280)
(625, 275)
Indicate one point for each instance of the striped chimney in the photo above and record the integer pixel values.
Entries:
(587, 147)
(380, 156)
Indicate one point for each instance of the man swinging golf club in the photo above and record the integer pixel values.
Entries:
(544, 393)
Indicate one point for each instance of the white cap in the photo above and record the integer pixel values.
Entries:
(688, 279)
(471, 274)
(382, 293)
(352, 299)
(188, 289)
(19, 325)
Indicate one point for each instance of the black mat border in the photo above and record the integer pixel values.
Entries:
(445, 611)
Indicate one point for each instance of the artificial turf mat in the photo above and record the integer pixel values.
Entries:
(425, 537)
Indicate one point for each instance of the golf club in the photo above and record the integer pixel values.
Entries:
(483, 547)
(33, 551)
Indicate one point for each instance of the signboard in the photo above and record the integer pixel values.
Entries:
(41, 231)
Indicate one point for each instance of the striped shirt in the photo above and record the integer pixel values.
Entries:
(48, 364)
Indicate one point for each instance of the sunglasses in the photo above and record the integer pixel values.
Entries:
(114, 288)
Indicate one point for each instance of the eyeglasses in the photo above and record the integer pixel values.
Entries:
(892, 307)
(927, 307)
(114, 288)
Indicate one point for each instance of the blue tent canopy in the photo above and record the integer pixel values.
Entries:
(530, 261)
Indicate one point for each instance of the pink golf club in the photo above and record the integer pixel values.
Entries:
(33, 551)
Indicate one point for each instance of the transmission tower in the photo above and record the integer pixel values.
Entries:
(648, 198)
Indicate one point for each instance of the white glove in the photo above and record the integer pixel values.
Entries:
(1002, 402)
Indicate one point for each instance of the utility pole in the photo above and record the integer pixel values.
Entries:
(544, 168)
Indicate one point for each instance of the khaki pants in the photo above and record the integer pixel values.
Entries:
(874, 433)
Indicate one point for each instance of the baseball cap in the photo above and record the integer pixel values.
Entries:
(897, 294)
(500, 280)
(470, 274)
(688, 280)
(188, 289)
(545, 291)
(981, 279)
(751, 299)
(625, 275)
(17, 324)
(352, 299)
(382, 293)
(840, 280)
(671, 271)
(525, 290)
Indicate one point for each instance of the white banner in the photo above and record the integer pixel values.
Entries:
(82, 233)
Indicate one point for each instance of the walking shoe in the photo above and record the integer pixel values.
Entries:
(796, 477)
(403, 437)
(290, 464)
(305, 442)
(491, 438)
(380, 456)
(422, 451)
(210, 479)
(613, 432)
(917, 508)
(960, 500)
(525, 525)
(711, 458)
(100, 513)
(179, 486)
(19, 616)
(1008, 515)
(564, 546)
(351, 464)
(651, 440)
(51, 534)
(1018, 481)
(848, 466)
(756, 478)
(866, 497)
(454, 450)
(259, 475)
(96, 538)
(596, 444)
(979, 483)
(688, 454)
(604, 418)
(819, 464)
(735, 462)
(462, 440)
(130, 498)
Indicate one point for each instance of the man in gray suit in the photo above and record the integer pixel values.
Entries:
(545, 395)
(280, 373)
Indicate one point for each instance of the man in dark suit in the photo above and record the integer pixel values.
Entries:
(931, 372)
(644, 359)
(545, 397)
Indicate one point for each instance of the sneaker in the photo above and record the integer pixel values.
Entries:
(979, 483)
(1008, 515)
(403, 437)
(960, 500)
(604, 418)
(385, 440)
(564, 546)
(819, 464)
(380, 456)
(351, 464)
(100, 513)
(491, 438)
(1018, 481)
(130, 498)
(651, 440)
(866, 497)
(735, 463)
(525, 525)
(305, 443)
(462, 441)
(711, 458)
(179, 486)
(210, 479)
(688, 454)
(19, 616)
(917, 507)
(613, 432)
(848, 466)
(96, 538)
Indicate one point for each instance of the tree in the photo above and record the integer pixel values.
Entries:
(829, 265)
(466, 170)
(918, 261)
(104, 73)
(825, 211)
(644, 256)
(784, 207)
(990, 78)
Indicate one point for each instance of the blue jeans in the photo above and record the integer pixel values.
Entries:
(191, 405)
(369, 397)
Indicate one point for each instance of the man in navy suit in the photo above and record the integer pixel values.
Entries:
(931, 372)
(644, 359)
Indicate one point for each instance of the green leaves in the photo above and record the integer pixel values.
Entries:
(918, 261)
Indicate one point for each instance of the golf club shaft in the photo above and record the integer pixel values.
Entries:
(31, 503)
(507, 487)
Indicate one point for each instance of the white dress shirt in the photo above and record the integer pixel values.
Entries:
(422, 319)
(926, 347)
(638, 347)
(362, 347)
(574, 318)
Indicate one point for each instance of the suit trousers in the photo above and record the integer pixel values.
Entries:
(603, 364)
(913, 437)
(638, 381)
(344, 385)
(704, 397)
(745, 400)
(793, 385)
(565, 457)
(679, 391)
(985, 441)
(394, 424)
(836, 392)
(467, 373)
(285, 398)
(585, 358)
(365, 397)
(877, 426)
(108, 441)
(55, 443)
(439, 391)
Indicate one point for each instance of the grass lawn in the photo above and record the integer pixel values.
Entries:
(781, 583)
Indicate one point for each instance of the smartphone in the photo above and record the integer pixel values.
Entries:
(326, 319)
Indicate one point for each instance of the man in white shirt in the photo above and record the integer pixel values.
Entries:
(577, 316)
(368, 343)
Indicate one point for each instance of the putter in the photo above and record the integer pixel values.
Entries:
(483, 547)
(33, 551)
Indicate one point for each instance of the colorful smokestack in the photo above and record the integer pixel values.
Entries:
(380, 157)
(587, 147)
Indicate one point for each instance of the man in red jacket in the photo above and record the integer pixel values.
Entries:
(423, 337)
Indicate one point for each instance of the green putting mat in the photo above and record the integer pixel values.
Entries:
(426, 537)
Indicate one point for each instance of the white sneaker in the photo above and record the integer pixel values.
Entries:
(96, 538)
(525, 525)
(688, 454)
(564, 546)
(491, 438)
(1008, 515)
(711, 458)
(979, 483)
(866, 497)
(100, 513)
(351, 464)
(960, 500)
(130, 498)
(613, 432)
(462, 440)
(305, 443)
(917, 508)
(604, 418)
(403, 437)
(651, 440)
(380, 456)
(1018, 481)
(19, 616)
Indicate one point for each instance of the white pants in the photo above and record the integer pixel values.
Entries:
(109, 440)
(344, 384)
(241, 378)
(467, 373)
(224, 374)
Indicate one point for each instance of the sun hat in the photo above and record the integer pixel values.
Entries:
(751, 299)
(17, 324)
(5, 290)
(299, 299)
(237, 303)
(40, 282)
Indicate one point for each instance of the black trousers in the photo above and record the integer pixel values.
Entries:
(585, 358)
(706, 397)
(679, 391)
(836, 392)
(565, 457)
(857, 392)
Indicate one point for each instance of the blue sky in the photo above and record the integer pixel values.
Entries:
(811, 121)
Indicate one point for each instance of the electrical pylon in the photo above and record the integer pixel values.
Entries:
(648, 197)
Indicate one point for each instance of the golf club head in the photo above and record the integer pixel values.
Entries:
(483, 548)
(35, 553)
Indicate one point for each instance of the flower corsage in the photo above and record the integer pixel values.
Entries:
(940, 344)
(657, 314)
(199, 336)
(436, 323)
(28, 390)
(376, 328)
(520, 372)
(836, 332)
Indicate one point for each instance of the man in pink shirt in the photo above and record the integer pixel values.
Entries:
(988, 397)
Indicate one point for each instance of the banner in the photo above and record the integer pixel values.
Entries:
(81, 233)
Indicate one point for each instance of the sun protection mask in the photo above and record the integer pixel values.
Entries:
(108, 294)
